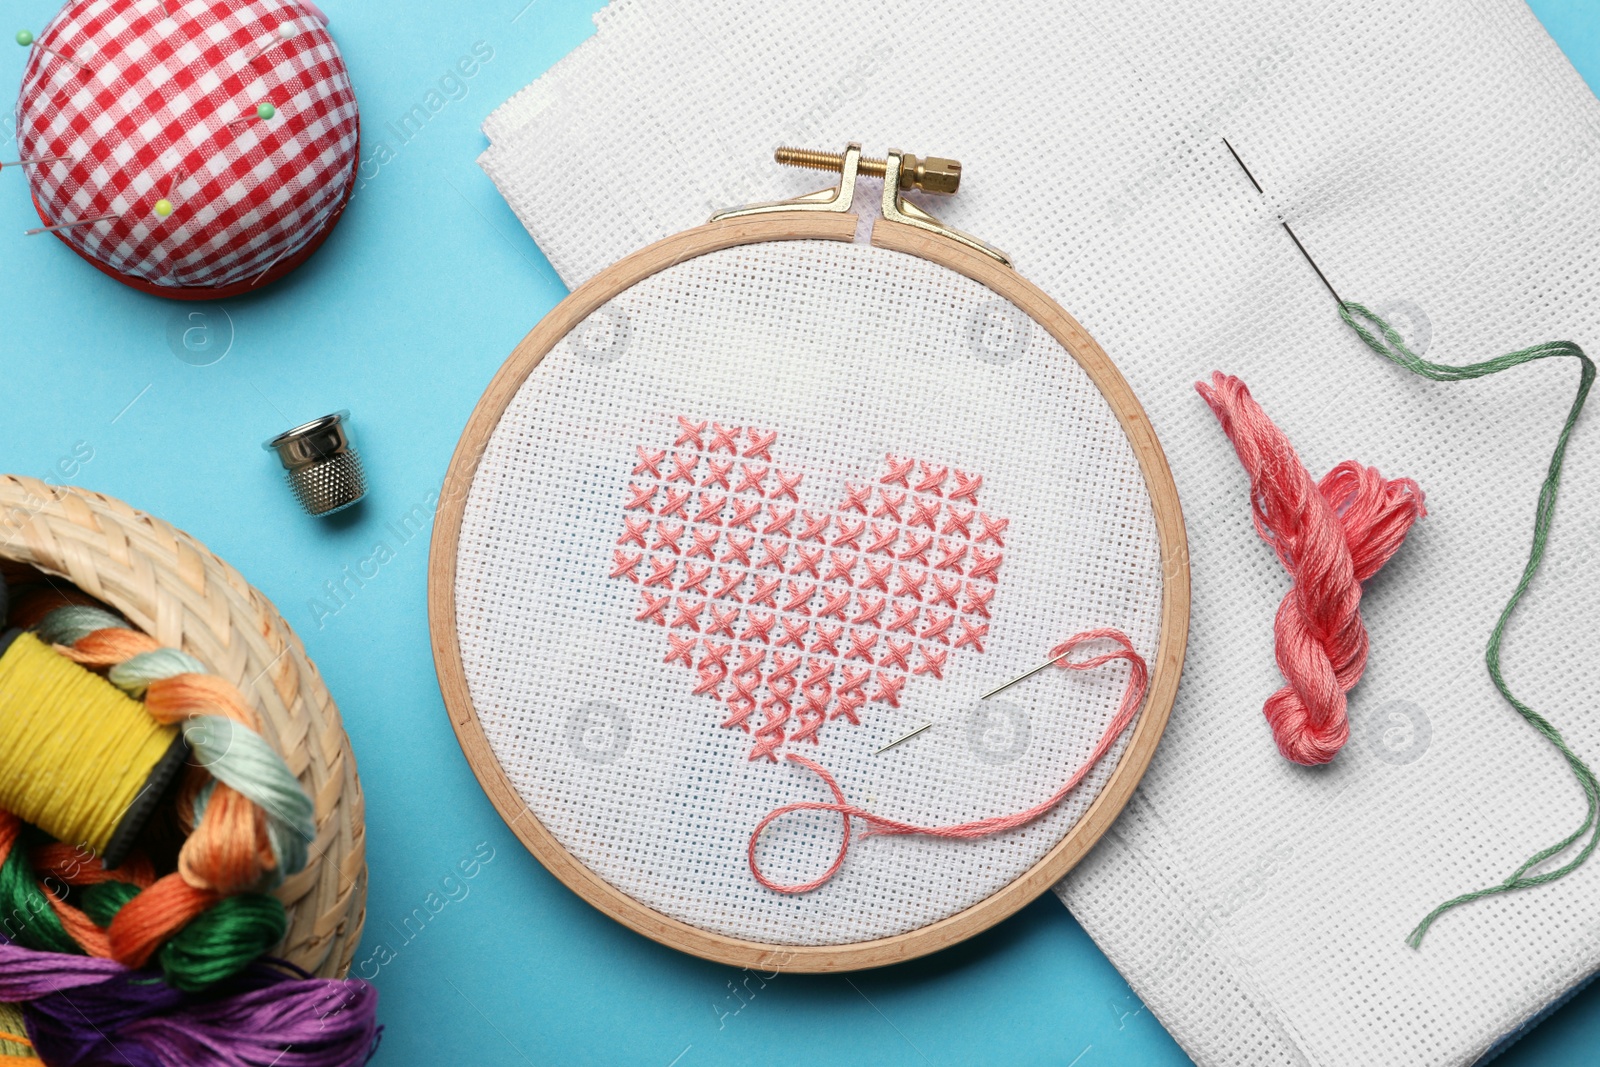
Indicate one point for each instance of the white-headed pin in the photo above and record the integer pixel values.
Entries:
(283, 34)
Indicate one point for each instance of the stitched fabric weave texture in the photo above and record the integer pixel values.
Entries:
(832, 365)
(825, 609)
(1441, 161)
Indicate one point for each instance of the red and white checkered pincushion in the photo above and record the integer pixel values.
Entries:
(152, 100)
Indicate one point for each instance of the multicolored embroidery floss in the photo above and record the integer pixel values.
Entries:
(78, 757)
(82, 1010)
(81, 757)
(153, 177)
(1132, 697)
(86, 763)
(1330, 536)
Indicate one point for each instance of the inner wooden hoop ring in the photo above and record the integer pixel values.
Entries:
(1152, 721)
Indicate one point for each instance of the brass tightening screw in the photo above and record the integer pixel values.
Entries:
(931, 175)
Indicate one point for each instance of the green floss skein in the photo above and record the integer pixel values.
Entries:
(216, 945)
(102, 902)
(1393, 348)
(223, 940)
(134, 675)
(25, 912)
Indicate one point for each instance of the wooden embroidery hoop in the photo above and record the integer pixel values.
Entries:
(826, 216)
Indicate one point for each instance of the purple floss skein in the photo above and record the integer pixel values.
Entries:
(137, 1021)
(96, 1013)
(86, 1025)
(26, 974)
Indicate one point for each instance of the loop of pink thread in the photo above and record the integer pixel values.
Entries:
(1132, 697)
(1330, 536)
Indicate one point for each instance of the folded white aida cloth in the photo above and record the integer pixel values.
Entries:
(1441, 161)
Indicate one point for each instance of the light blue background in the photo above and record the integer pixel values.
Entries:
(404, 315)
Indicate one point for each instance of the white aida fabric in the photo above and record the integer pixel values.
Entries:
(1441, 161)
(801, 497)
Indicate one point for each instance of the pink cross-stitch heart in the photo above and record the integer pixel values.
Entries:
(803, 614)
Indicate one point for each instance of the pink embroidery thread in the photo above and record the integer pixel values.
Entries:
(633, 531)
(661, 571)
(788, 484)
(966, 487)
(676, 499)
(1132, 697)
(766, 592)
(773, 553)
(626, 565)
(957, 521)
(695, 575)
(807, 560)
(722, 622)
(683, 464)
(654, 609)
(794, 633)
(1330, 536)
(705, 544)
(849, 533)
(738, 549)
(649, 462)
(760, 444)
(829, 584)
(689, 433)
(840, 566)
(932, 480)
(711, 510)
(722, 438)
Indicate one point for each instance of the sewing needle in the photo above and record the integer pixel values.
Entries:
(1297, 242)
(903, 737)
(997, 689)
(1024, 677)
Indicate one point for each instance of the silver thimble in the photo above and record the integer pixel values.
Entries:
(323, 470)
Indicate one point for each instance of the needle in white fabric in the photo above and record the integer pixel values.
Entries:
(1024, 677)
(1285, 225)
(997, 689)
(903, 737)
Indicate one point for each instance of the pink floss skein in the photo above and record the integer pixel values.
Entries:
(1330, 536)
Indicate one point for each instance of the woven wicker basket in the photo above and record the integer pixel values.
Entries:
(170, 586)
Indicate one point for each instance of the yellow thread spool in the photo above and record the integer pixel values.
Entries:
(78, 758)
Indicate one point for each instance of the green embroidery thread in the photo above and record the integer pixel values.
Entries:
(1393, 348)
